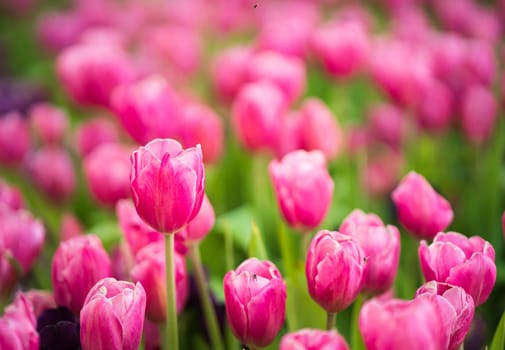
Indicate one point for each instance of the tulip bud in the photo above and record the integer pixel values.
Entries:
(460, 261)
(313, 339)
(478, 112)
(200, 226)
(17, 326)
(41, 300)
(387, 124)
(436, 111)
(49, 122)
(10, 197)
(149, 270)
(14, 139)
(77, 265)
(334, 269)
(167, 184)
(93, 133)
(255, 298)
(303, 188)
(420, 209)
(70, 227)
(381, 246)
(113, 316)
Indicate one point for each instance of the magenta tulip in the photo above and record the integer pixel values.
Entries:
(420, 209)
(255, 298)
(49, 122)
(303, 188)
(313, 339)
(202, 223)
(10, 197)
(14, 139)
(478, 112)
(93, 133)
(40, 300)
(113, 316)
(460, 261)
(387, 124)
(167, 184)
(77, 265)
(18, 326)
(334, 269)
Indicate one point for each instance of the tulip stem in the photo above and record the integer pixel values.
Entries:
(204, 293)
(172, 333)
(305, 244)
(330, 320)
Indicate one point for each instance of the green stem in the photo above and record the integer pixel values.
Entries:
(204, 293)
(305, 244)
(330, 320)
(356, 341)
(171, 331)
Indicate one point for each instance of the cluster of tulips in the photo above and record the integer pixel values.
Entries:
(162, 126)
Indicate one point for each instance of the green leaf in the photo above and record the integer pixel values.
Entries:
(238, 223)
(256, 245)
(108, 232)
(498, 342)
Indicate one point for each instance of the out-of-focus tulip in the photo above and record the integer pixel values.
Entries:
(121, 261)
(418, 324)
(255, 298)
(381, 246)
(14, 139)
(107, 171)
(460, 261)
(52, 171)
(148, 109)
(313, 339)
(420, 209)
(303, 188)
(41, 300)
(461, 302)
(49, 122)
(202, 223)
(257, 114)
(113, 316)
(17, 326)
(167, 184)
(436, 111)
(381, 172)
(152, 336)
(149, 270)
(478, 113)
(387, 124)
(93, 133)
(77, 265)
(82, 69)
(334, 269)
(57, 30)
(10, 197)
(70, 227)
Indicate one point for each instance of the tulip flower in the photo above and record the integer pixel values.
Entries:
(255, 298)
(77, 265)
(58, 328)
(201, 224)
(113, 316)
(10, 197)
(17, 326)
(303, 188)
(70, 227)
(381, 246)
(14, 139)
(334, 269)
(478, 112)
(48, 122)
(313, 339)
(436, 111)
(460, 261)
(387, 124)
(40, 300)
(420, 209)
(93, 133)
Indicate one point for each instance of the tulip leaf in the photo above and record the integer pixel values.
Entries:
(238, 223)
(498, 342)
(256, 245)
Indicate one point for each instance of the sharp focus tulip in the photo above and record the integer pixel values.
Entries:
(167, 184)
(255, 298)
(113, 316)
(313, 339)
(303, 187)
(420, 209)
(17, 326)
(77, 265)
(334, 269)
(460, 261)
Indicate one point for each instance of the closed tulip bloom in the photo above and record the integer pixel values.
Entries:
(40, 300)
(149, 270)
(77, 265)
(419, 324)
(10, 197)
(112, 317)
(70, 227)
(167, 184)
(334, 269)
(387, 124)
(420, 209)
(255, 298)
(436, 111)
(14, 139)
(313, 339)
(478, 113)
(49, 122)
(381, 246)
(17, 326)
(460, 261)
(461, 302)
(94, 132)
(303, 188)
(202, 223)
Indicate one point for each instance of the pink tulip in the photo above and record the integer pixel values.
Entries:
(478, 112)
(420, 209)
(49, 122)
(418, 324)
(381, 246)
(313, 339)
(436, 111)
(148, 109)
(10, 197)
(461, 302)
(388, 124)
(18, 326)
(290, 137)
(70, 227)
(121, 261)
(77, 265)
(113, 316)
(257, 114)
(381, 172)
(460, 261)
(57, 30)
(40, 300)
(334, 269)
(167, 184)
(202, 223)
(303, 188)
(94, 132)
(14, 139)
(255, 299)
(107, 171)
(149, 270)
